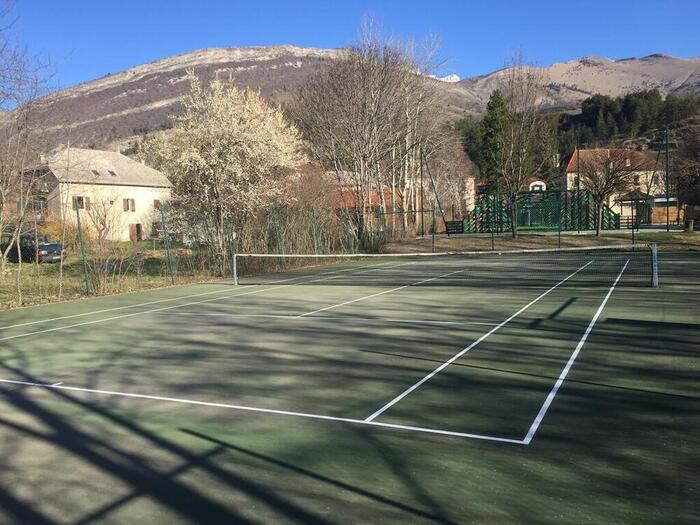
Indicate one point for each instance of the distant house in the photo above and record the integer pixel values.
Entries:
(118, 197)
(647, 191)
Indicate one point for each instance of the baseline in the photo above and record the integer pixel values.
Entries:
(265, 410)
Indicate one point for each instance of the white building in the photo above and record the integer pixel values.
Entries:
(117, 197)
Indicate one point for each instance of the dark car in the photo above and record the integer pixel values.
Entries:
(43, 248)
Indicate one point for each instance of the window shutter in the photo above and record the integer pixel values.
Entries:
(132, 204)
(87, 203)
(126, 204)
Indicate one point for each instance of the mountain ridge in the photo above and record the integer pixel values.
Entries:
(119, 105)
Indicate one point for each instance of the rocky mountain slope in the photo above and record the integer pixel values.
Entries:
(568, 83)
(131, 102)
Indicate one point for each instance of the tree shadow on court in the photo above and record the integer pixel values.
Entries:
(619, 442)
(435, 513)
(135, 470)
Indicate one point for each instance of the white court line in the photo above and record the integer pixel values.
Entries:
(552, 394)
(380, 293)
(148, 303)
(267, 411)
(465, 350)
(329, 318)
(110, 309)
(124, 316)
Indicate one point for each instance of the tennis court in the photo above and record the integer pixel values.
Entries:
(484, 362)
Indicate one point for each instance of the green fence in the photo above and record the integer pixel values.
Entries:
(540, 211)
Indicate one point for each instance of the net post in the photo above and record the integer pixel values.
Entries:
(654, 266)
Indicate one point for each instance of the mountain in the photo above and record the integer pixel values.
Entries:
(118, 106)
(569, 83)
(140, 99)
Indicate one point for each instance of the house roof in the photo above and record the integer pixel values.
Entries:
(643, 160)
(89, 166)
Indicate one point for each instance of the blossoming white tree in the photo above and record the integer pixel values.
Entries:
(226, 155)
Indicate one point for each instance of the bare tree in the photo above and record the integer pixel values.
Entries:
(22, 82)
(608, 172)
(519, 154)
(103, 217)
(687, 168)
(454, 174)
(365, 117)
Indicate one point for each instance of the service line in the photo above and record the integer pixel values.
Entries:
(459, 354)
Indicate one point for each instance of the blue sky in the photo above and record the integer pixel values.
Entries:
(85, 39)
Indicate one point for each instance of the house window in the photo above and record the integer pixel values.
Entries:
(156, 204)
(81, 203)
(111, 173)
(95, 173)
(129, 205)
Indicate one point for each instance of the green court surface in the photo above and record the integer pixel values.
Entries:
(499, 389)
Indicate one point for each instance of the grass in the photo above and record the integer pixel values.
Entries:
(672, 241)
(41, 284)
(617, 446)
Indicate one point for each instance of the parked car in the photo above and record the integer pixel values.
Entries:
(43, 247)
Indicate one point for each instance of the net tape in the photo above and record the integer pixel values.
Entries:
(651, 249)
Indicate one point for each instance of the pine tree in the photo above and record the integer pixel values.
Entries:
(493, 125)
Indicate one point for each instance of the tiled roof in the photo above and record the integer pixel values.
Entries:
(88, 166)
(643, 160)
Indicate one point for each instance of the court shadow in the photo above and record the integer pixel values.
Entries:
(134, 469)
(296, 470)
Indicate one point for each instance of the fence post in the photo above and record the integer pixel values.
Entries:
(86, 278)
(493, 238)
(654, 266)
(559, 219)
(166, 244)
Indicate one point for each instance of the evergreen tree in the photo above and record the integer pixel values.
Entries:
(493, 126)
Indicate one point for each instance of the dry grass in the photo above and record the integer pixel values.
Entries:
(666, 241)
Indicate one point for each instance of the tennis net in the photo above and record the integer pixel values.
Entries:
(599, 266)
